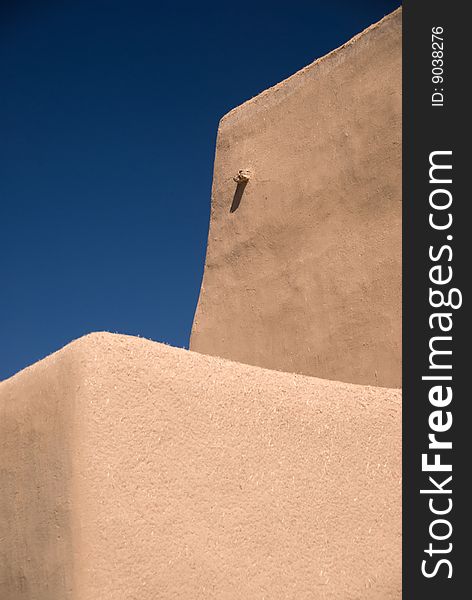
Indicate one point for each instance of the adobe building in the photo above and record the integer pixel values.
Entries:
(303, 266)
(133, 470)
(130, 469)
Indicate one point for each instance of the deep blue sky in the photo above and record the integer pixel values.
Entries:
(108, 119)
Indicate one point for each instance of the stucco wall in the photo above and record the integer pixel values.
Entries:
(303, 266)
(129, 469)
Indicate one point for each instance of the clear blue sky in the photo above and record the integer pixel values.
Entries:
(108, 119)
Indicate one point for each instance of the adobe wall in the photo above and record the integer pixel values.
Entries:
(130, 469)
(303, 266)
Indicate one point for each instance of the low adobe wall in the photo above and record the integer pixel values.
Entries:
(303, 266)
(129, 469)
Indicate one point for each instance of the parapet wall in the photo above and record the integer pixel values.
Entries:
(303, 266)
(129, 469)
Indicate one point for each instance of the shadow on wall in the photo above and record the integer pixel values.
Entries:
(238, 194)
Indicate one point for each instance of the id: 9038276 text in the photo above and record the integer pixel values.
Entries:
(437, 66)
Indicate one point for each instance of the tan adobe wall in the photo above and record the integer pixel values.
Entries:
(130, 469)
(303, 266)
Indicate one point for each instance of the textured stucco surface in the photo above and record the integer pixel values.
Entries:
(303, 266)
(130, 469)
